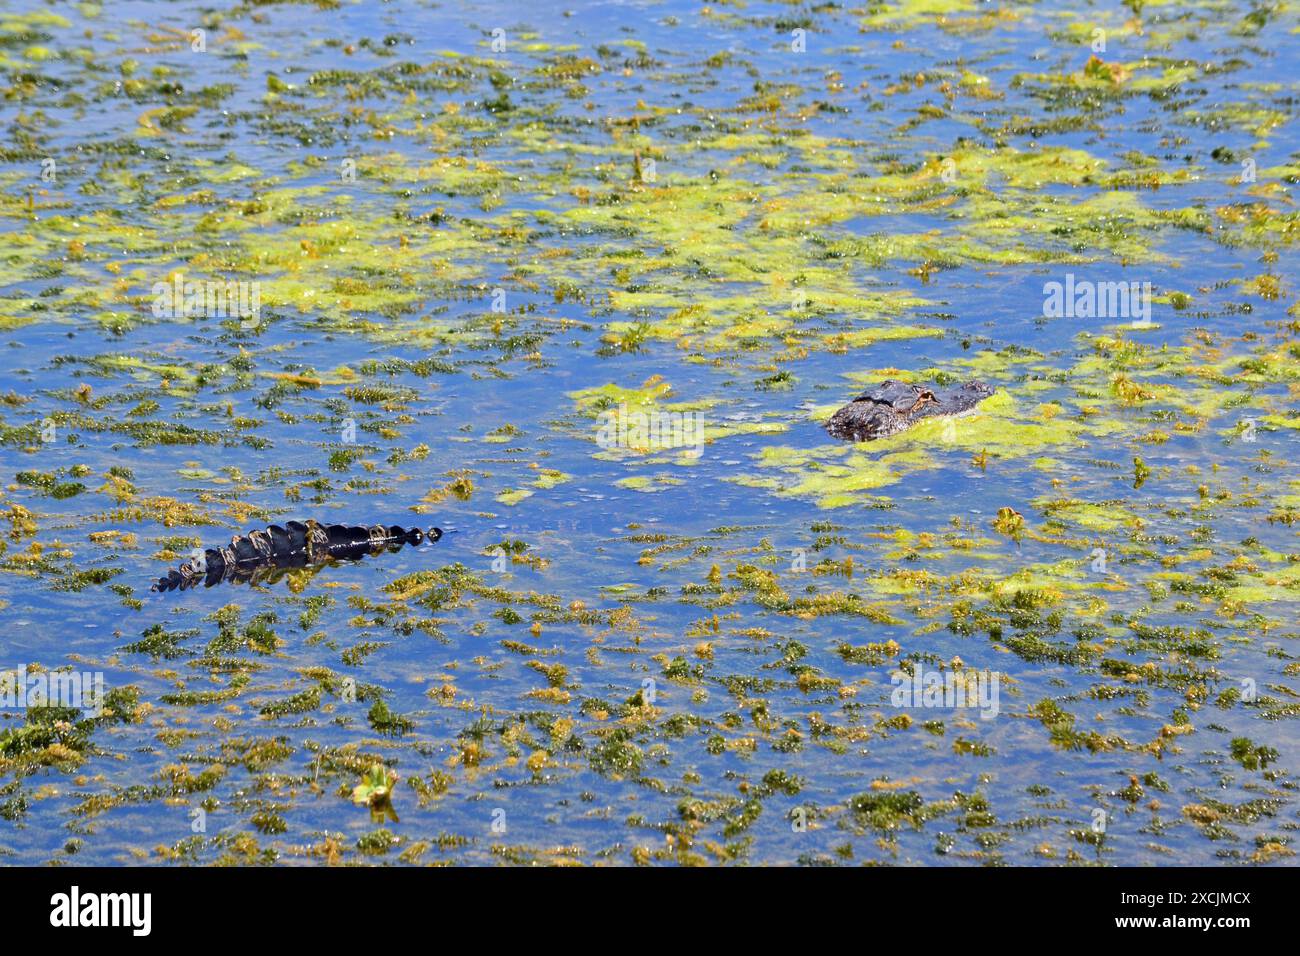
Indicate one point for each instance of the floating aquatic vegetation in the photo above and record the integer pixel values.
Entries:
(422, 278)
(376, 792)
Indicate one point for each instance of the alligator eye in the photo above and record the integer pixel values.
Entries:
(923, 397)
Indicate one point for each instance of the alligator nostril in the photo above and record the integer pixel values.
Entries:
(434, 534)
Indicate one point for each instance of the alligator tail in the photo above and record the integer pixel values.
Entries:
(296, 544)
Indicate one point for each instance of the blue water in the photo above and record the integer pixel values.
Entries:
(737, 752)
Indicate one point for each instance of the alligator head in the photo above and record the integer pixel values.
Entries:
(893, 406)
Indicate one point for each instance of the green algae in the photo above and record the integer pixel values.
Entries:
(765, 244)
(834, 475)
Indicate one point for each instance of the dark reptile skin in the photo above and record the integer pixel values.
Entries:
(296, 544)
(893, 406)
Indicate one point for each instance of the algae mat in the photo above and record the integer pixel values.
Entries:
(579, 286)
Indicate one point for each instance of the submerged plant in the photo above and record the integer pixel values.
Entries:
(376, 792)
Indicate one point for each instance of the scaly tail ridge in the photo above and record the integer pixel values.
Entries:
(296, 544)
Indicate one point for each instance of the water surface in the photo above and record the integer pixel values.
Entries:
(473, 229)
